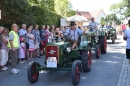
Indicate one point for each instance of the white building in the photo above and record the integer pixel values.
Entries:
(98, 14)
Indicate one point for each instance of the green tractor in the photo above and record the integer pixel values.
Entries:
(111, 34)
(98, 42)
(59, 56)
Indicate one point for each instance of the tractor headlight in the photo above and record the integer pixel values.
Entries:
(68, 49)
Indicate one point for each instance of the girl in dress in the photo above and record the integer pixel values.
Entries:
(30, 40)
(22, 50)
(48, 36)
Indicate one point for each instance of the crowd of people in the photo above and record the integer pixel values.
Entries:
(22, 44)
(25, 43)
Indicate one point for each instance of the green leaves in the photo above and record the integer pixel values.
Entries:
(110, 18)
(121, 8)
(64, 8)
(102, 21)
(47, 12)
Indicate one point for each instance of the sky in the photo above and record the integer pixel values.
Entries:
(91, 5)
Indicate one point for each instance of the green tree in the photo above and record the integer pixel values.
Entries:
(111, 18)
(46, 12)
(15, 11)
(102, 21)
(45, 4)
(64, 8)
(122, 8)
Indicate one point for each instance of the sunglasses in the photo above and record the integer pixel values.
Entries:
(5, 32)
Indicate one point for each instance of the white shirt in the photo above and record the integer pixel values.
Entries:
(22, 32)
(75, 34)
(127, 34)
(94, 24)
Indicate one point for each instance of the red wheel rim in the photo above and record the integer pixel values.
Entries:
(105, 43)
(89, 58)
(34, 73)
(77, 74)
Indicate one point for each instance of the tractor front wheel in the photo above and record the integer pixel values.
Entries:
(86, 60)
(32, 72)
(75, 72)
(97, 51)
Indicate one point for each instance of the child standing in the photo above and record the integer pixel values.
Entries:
(22, 50)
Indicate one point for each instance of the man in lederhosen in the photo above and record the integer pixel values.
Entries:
(74, 33)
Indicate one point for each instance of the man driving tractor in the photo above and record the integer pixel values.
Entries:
(93, 26)
(74, 32)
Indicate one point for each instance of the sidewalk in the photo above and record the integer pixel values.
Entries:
(124, 78)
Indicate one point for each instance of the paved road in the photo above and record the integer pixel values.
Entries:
(105, 71)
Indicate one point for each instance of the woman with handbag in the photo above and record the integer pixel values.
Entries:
(30, 45)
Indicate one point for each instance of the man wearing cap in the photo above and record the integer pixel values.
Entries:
(93, 25)
(14, 45)
(74, 33)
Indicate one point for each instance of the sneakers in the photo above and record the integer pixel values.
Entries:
(24, 60)
(5, 68)
(17, 70)
(21, 62)
(14, 71)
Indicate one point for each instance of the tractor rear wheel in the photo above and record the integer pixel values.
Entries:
(86, 60)
(75, 72)
(32, 72)
(103, 44)
(113, 39)
(115, 35)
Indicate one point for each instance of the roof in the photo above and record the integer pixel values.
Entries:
(85, 14)
(96, 13)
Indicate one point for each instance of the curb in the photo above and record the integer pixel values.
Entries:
(124, 77)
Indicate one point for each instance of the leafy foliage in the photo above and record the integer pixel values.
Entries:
(122, 8)
(15, 12)
(110, 19)
(64, 8)
(102, 21)
(40, 12)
